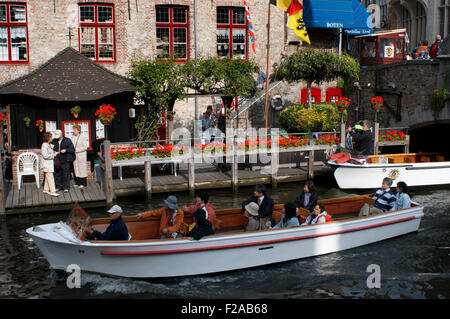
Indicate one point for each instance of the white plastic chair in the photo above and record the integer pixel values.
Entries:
(27, 164)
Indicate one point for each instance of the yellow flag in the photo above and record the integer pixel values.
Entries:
(283, 4)
(296, 23)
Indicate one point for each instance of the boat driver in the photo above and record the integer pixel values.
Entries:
(117, 230)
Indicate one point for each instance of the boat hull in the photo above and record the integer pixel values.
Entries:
(184, 257)
(367, 176)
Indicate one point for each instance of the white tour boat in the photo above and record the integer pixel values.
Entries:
(144, 256)
(415, 169)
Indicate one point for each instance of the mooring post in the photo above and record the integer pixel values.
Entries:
(148, 174)
(108, 174)
(274, 160)
(375, 137)
(191, 169)
(2, 191)
(311, 164)
(234, 167)
(343, 136)
(407, 144)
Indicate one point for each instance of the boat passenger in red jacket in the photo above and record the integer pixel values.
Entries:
(203, 203)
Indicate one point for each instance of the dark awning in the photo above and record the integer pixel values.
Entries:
(69, 76)
(349, 15)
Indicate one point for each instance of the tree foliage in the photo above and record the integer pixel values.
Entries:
(227, 78)
(322, 117)
(159, 84)
(317, 66)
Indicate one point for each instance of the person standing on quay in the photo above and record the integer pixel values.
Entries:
(81, 144)
(365, 140)
(66, 151)
(48, 154)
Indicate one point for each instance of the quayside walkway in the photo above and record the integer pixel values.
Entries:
(31, 199)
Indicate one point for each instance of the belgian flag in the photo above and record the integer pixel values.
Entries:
(295, 22)
(290, 6)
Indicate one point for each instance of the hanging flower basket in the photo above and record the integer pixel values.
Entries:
(343, 103)
(40, 125)
(75, 111)
(376, 103)
(27, 121)
(3, 118)
(105, 114)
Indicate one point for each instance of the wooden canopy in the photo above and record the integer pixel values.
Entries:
(69, 76)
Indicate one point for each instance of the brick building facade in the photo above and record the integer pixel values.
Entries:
(115, 32)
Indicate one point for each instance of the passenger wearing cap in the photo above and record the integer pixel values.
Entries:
(171, 218)
(117, 230)
(203, 227)
(254, 221)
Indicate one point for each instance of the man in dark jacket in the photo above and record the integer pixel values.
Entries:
(66, 155)
(203, 227)
(117, 230)
(364, 140)
(264, 202)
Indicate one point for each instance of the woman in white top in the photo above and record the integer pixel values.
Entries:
(317, 216)
(81, 145)
(48, 155)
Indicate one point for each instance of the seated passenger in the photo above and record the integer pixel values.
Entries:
(318, 216)
(171, 218)
(289, 218)
(265, 205)
(254, 221)
(308, 198)
(202, 202)
(202, 227)
(402, 198)
(384, 200)
(117, 230)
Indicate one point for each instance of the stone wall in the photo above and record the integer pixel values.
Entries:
(415, 79)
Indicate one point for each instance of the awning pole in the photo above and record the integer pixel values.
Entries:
(340, 41)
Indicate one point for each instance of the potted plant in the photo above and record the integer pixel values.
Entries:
(105, 114)
(342, 103)
(75, 111)
(3, 118)
(27, 121)
(40, 125)
(376, 102)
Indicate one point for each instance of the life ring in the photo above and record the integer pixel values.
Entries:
(340, 157)
(279, 107)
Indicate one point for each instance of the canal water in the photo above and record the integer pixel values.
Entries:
(416, 265)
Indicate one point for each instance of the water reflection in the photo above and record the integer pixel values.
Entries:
(414, 266)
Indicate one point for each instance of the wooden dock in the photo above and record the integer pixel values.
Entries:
(210, 179)
(31, 199)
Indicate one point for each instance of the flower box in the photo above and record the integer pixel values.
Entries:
(391, 136)
(328, 140)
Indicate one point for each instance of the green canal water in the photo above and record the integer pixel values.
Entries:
(416, 265)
